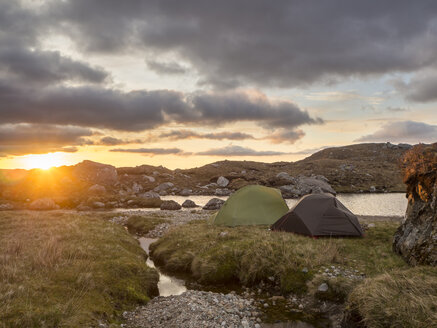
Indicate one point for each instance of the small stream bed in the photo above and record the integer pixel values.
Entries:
(170, 285)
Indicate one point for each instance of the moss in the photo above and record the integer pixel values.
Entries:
(294, 281)
(68, 270)
(251, 254)
(141, 225)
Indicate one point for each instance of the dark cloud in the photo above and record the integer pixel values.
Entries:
(403, 131)
(111, 141)
(45, 67)
(188, 134)
(286, 136)
(421, 88)
(166, 67)
(151, 151)
(238, 151)
(141, 110)
(20, 139)
(285, 43)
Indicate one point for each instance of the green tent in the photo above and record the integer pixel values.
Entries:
(251, 205)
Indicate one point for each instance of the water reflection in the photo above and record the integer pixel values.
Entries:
(167, 285)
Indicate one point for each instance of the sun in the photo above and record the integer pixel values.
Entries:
(44, 161)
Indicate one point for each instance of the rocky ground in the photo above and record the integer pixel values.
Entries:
(195, 309)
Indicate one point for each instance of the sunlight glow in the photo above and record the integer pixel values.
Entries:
(43, 161)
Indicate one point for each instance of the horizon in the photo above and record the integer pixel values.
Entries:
(184, 85)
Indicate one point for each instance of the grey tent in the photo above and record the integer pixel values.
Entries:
(319, 215)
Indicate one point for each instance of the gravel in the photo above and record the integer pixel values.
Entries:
(194, 309)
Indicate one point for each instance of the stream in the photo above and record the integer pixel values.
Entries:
(168, 286)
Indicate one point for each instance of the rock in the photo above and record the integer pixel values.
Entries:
(186, 192)
(284, 176)
(97, 189)
(222, 181)
(214, 204)
(170, 205)
(149, 194)
(163, 187)
(416, 239)
(372, 189)
(303, 185)
(83, 207)
(305, 270)
(149, 178)
(222, 192)
(189, 204)
(98, 205)
(6, 207)
(323, 287)
(96, 173)
(43, 204)
(136, 188)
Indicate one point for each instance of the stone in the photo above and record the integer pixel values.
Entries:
(96, 173)
(97, 189)
(186, 192)
(222, 181)
(303, 185)
(170, 205)
(6, 207)
(149, 178)
(149, 194)
(305, 270)
(98, 205)
(222, 192)
(163, 187)
(136, 188)
(214, 204)
(188, 203)
(323, 287)
(416, 238)
(43, 204)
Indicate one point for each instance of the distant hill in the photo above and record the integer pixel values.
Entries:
(372, 167)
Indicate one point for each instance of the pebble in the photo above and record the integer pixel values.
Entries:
(195, 309)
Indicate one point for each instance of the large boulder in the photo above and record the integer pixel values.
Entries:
(97, 189)
(214, 204)
(188, 203)
(163, 187)
(96, 173)
(170, 205)
(303, 185)
(416, 239)
(222, 182)
(43, 204)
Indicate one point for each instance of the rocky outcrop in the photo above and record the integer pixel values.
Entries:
(43, 204)
(97, 189)
(170, 205)
(416, 239)
(214, 204)
(96, 173)
(296, 187)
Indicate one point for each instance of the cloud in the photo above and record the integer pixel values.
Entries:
(238, 151)
(21, 139)
(111, 141)
(188, 134)
(166, 67)
(46, 67)
(99, 107)
(151, 151)
(403, 131)
(421, 88)
(288, 43)
(286, 136)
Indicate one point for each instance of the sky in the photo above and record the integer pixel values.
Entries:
(185, 83)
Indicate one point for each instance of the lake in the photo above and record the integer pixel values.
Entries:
(387, 204)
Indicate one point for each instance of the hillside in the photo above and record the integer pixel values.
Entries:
(354, 168)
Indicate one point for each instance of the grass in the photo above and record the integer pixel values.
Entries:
(141, 225)
(68, 270)
(402, 298)
(248, 255)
